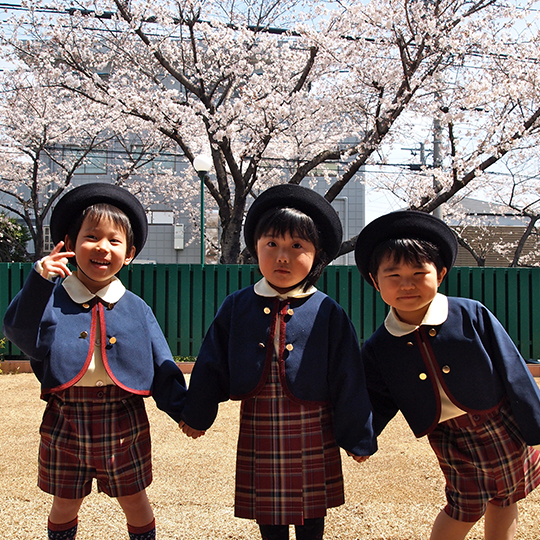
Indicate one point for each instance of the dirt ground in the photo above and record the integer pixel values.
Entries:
(394, 495)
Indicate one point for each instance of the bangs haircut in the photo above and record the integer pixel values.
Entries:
(411, 251)
(101, 211)
(280, 221)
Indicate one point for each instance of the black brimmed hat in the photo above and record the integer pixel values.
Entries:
(400, 225)
(74, 202)
(307, 201)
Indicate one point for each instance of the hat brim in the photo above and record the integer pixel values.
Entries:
(404, 224)
(70, 206)
(307, 201)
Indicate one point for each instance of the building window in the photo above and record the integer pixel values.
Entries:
(48, 244)
(163, 161)
(94, 163)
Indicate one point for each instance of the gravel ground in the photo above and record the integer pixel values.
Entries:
(394, 495)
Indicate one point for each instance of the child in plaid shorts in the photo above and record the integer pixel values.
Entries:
(290, 353)
(455, 374)
(97, 350)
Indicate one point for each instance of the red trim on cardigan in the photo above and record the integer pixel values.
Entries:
(103, 346)
(269, 356)
(97, 314)
(92, 341)
(432, 366)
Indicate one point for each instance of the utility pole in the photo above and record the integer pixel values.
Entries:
(437, 160)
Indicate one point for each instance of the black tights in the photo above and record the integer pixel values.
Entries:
(312, 529)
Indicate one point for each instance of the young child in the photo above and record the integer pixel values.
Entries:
(97, 350)
(290, 353)
(450, 367)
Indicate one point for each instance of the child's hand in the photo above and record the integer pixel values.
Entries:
(189, 431)
(56, 262)
(358, 459)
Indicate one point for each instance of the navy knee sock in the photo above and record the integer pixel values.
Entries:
(312, 529)
(148, 532)
(274, 532)
(62, 531)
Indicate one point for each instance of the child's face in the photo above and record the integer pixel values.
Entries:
(101, 252)
(408, 288)
(285, 261)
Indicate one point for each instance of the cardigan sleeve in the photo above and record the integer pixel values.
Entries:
(348, 392)
(27, 322)
(168, 386)
(384, 406)
(521, 389)
(209, 381)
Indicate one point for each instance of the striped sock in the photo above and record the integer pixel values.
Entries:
(62, 531)
(148, 532)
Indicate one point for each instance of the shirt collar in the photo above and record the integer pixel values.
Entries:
(436, 314)
(78, 292)
(263, 288)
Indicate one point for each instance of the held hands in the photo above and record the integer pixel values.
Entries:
(189, 431)
(358, 459)
(57, 262)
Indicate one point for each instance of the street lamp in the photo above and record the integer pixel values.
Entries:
(202, 164)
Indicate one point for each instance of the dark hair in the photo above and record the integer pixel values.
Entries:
(407, 250)
(100, 211)
(290, 220)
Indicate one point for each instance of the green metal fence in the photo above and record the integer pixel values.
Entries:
(186, 297)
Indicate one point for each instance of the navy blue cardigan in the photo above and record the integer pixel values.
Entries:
(475, 360)
(57, 334)
(319, 362)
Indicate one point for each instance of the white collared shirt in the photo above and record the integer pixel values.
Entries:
(263, 288)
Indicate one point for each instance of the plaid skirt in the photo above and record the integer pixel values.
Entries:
(288, 465)
(484, 460)
(89, 433)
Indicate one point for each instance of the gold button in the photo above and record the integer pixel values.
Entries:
(290, 311)
(85, 305)
(433, 332)
(112, 340)
(410, 343)
(289, 346)
(83, 335)
(446, 369)
(261, 345)
(267, 310)
(422, 376)
(110, 306)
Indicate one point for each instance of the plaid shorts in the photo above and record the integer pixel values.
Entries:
(89, 433)
(484, 460)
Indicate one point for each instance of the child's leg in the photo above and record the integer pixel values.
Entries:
(312, 529)
(500, 522)
(447, 528)
(274, 532)
(139, 515)
(64, 510)
(63, 518)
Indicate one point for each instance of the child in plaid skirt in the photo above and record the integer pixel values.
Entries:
(97, 350)
(291, 355)
(455, 374)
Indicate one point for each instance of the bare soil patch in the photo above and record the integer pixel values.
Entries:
(395, 495)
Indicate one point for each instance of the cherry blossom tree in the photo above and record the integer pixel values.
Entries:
(220, 77)
(47, 135)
